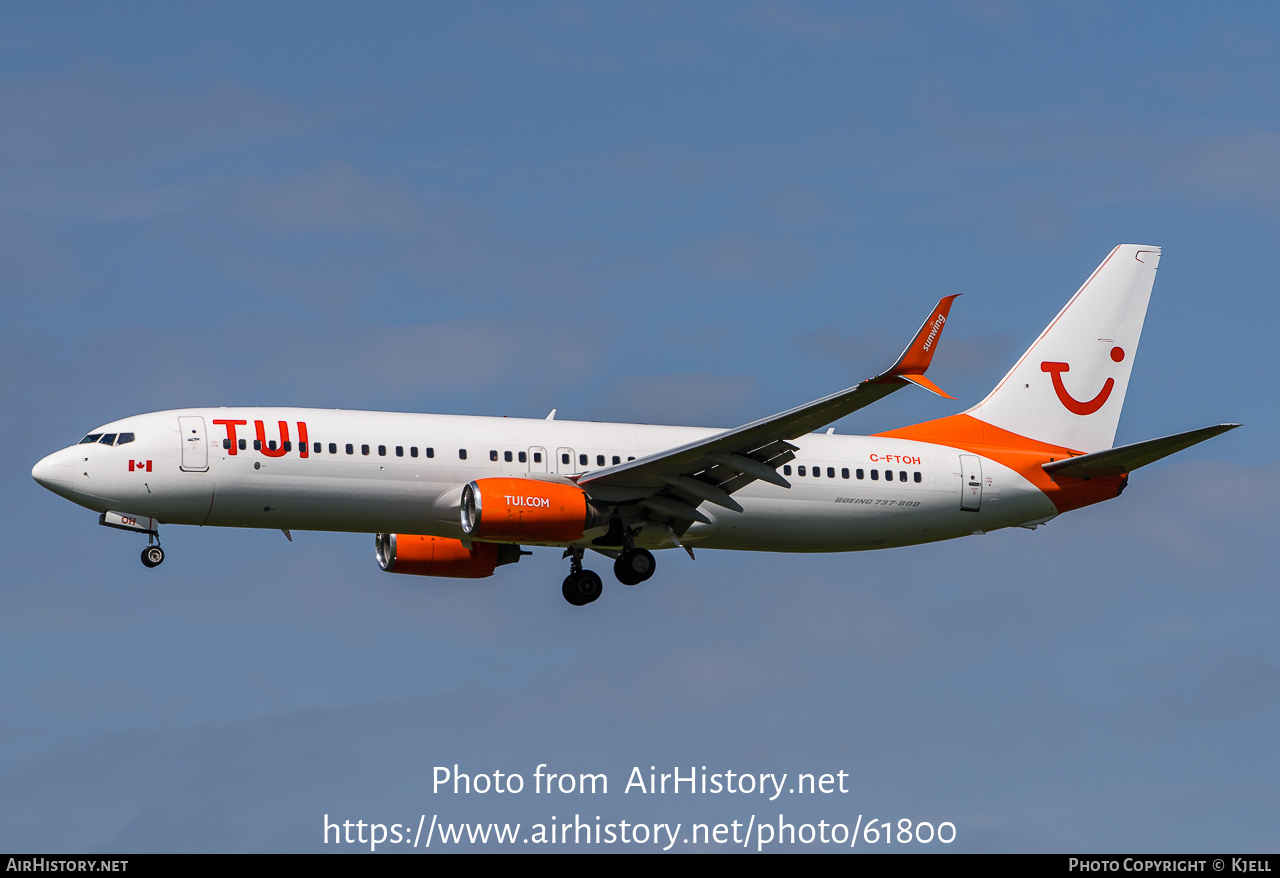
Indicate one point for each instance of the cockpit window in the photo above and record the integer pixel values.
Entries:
(123, 438)
(108, 439)
(92, 437)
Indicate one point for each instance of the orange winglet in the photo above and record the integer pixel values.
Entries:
(916, 358)
(926, 384)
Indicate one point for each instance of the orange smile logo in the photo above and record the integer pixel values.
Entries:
(1072, 404)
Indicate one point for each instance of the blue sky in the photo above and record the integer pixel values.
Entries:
(655, 212)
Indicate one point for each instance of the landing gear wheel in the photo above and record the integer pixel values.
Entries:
(634, 566)
(152, 556)
(582, 587)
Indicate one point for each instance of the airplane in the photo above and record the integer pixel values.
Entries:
(459, 496)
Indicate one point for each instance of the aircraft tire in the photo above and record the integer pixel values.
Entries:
(152, 556)
(634, 567)
(582, 588)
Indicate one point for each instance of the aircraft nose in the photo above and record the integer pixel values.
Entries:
(56, 471)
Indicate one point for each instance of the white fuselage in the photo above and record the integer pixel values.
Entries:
(194, 478)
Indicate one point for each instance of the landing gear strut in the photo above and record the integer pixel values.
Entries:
(581, 587)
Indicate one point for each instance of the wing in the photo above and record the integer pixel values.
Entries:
(673, 483)
(1126, 458)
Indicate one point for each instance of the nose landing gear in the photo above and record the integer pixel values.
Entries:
(153, 555)
(581, 587)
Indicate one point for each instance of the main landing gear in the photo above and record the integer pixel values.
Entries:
(581, 587)
(634, 566)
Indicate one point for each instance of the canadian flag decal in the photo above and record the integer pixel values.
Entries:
(139, 465)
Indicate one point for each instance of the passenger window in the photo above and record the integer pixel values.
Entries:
(462, 454)
(831, 472)
(315, 446)
(564, 458)
(524, 458)
(288, 445)
(844, 473)
(431, 452)
(364, 449)
(399, 451)
(817, 472)
(226, 444)
(506, 455)
(875, 475)
(800, 470)
(333, 448)
(108, 439)
(786, 470)
(917, 478)
(582, 460)
(91, 438)
(599, 460)
(859, 473)
(413, 451)
(616, 460)
(382, 451)
(537, 456)
(351, 449)
(124, 438)
(902, 475)
(630, 458)
(493, 455)
(241, 444)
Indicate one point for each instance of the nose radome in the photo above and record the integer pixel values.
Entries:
(55, 472)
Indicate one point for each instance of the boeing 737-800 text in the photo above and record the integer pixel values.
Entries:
(459, 496)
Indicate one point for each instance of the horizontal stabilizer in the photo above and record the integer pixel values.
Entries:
(1126, 458)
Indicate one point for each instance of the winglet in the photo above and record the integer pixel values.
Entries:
(916, 358)
(924, 382)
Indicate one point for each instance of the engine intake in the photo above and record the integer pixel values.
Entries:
(527, 511)
(420, 555)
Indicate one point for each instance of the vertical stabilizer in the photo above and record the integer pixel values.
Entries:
(1069, 387)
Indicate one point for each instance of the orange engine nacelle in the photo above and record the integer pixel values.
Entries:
(526, 510)
(438, 556)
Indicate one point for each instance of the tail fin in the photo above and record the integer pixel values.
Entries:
(1068, 388)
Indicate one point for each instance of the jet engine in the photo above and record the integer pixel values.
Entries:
(438, 556)
(527, 510)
